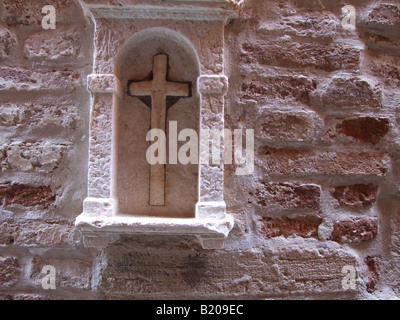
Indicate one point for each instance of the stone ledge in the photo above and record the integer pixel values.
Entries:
(159, 12)
(100, 231)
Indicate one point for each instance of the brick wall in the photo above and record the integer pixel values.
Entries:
(324, 103)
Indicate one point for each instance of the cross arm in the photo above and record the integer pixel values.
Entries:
(143, 88)
(176, 89)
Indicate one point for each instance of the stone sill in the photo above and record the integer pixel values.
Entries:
(100, 231)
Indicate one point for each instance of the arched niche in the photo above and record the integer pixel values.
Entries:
(134, 62)
(127, 37)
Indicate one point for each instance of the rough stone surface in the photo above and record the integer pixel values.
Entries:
(311, 26)
(355, 231)
(285, 127)
(364, 129)
(290, 161)
(348, 93)
(306, 227)
(49, 46)
(323, 103)
(359, 195)
(39, 156)
(279, 88)
(37, 233)
(28, 80)
(70, 273)
(383, 20)
(184, 271)
(27, 196)
(10, 270)
(34, 115)
(19, 12)
(7, 42)
(373, 273)
(274, 196)
(301, 55)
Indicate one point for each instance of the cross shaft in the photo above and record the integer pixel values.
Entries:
(158, 89)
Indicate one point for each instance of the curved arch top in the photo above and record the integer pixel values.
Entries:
(154, 34)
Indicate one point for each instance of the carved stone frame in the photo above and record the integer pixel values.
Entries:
(200, 23)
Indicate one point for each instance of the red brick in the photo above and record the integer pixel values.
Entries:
(348, 93)
(389, 72)
(373, 273)
(359, 195)
(383, 44)
(364, 129)
(291, 54)
(355, 231)
(383, 20)
(30, 12)
(10, 270)
(291, 161)
(27, 196)
(311, 25)
(288, 196)
(7, 42)
(285, 126)
(32, 297)
(306, 227)
(280, 88)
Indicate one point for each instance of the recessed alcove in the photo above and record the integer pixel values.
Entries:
(136, 45)
(132, 173)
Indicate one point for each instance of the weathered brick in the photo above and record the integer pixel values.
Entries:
(306, 227)
(310, 162)
(389, 71)
(70, 273)
(288, 88)
(174, 269)
(312, 25)
(358, 195)
(28, 80)
(373, 273)
(53, 45)
(274, 196)
(364, 129)
(347, 93)
(38, 233)
(383, 19)
(57, 114)
(7, 42)
(355, 231)
(38, 156)
(10, 115)
(29, 13)
(382, 44)
(32, 297)
(285, 126)
(10, 270)
(28, 196)
(291, 54)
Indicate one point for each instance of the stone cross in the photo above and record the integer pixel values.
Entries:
(158, 89)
